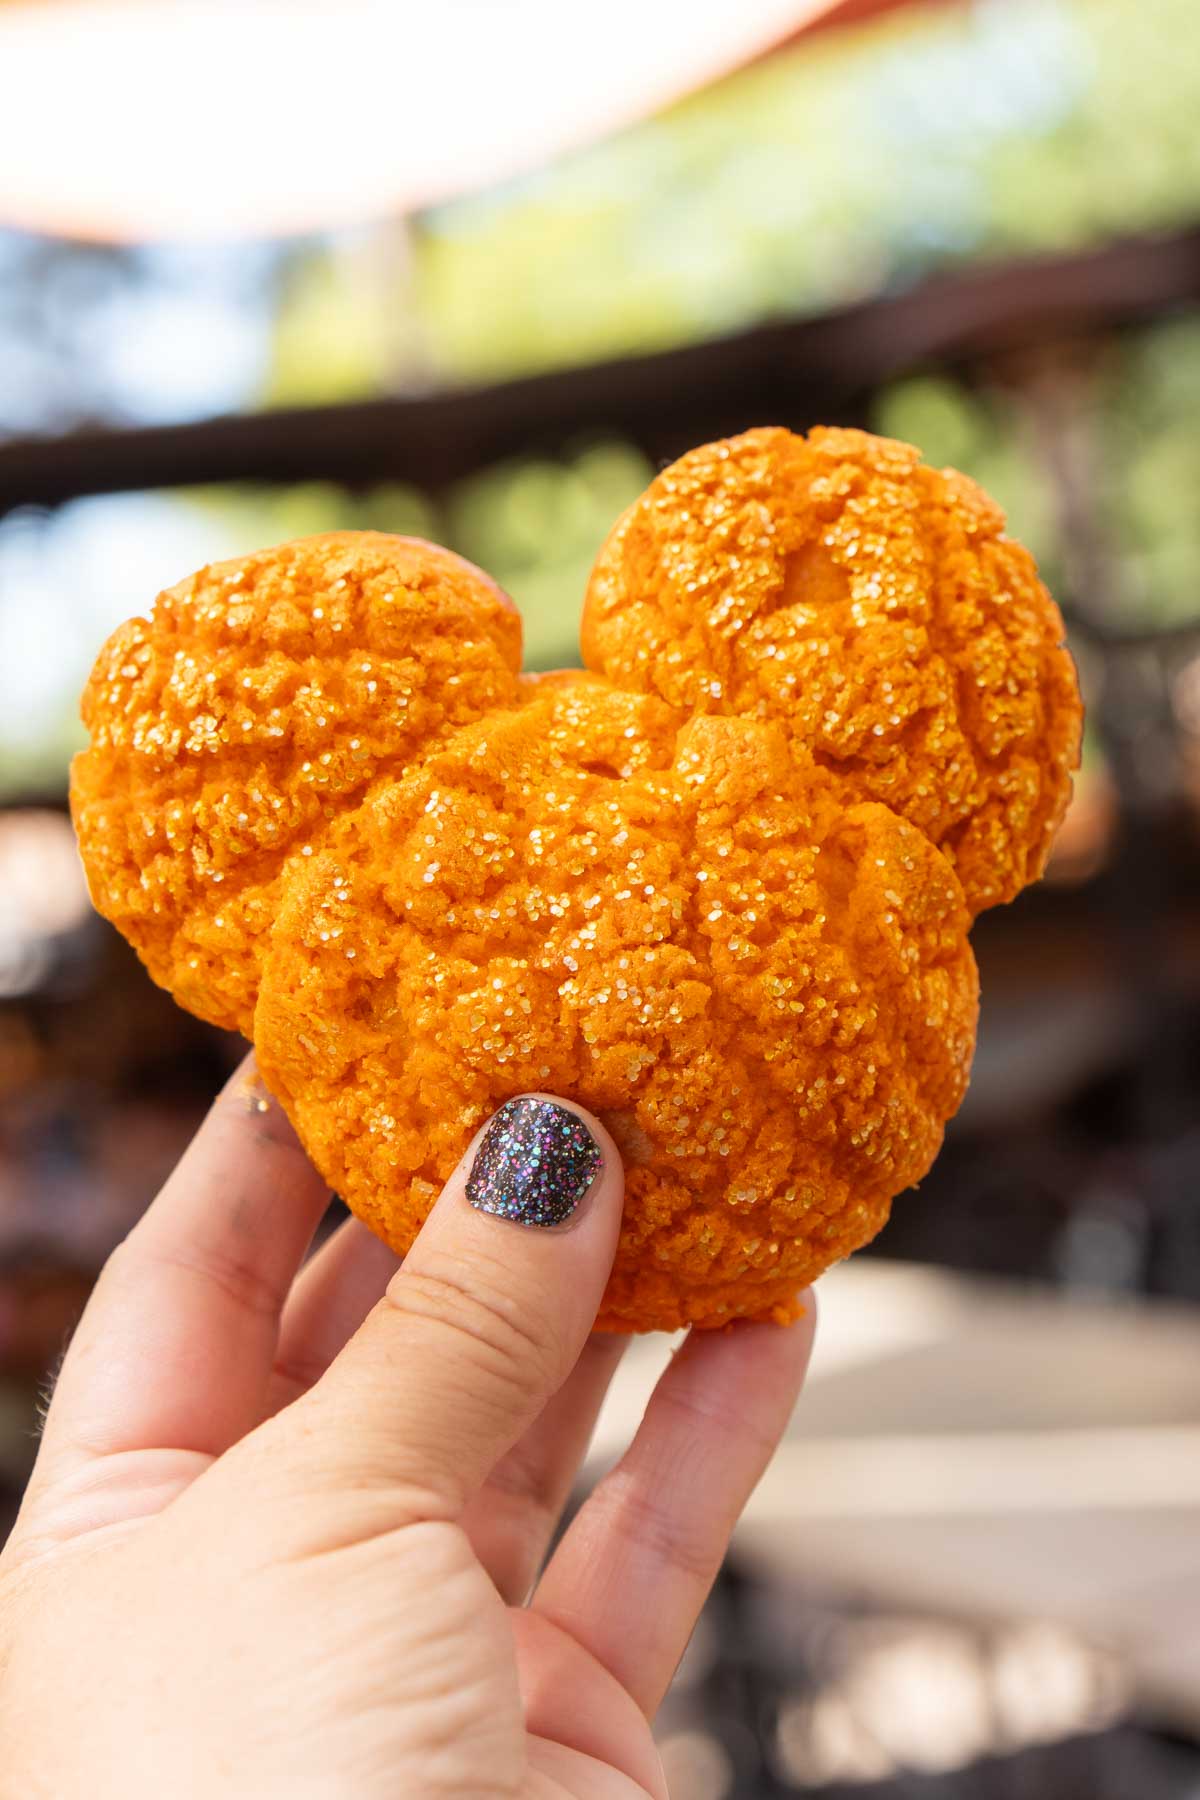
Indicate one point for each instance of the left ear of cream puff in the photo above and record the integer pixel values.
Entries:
(253, 710)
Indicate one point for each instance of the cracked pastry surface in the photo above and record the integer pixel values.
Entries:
(716, 888)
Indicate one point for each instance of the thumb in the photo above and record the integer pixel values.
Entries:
(484, 1321)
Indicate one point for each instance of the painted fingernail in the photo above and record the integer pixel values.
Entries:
(536, 1162)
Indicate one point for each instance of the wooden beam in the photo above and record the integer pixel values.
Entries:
(794, 372)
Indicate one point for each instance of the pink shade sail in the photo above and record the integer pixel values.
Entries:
(145, 120)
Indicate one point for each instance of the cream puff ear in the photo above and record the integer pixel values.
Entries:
(872, 606)
(256, 706)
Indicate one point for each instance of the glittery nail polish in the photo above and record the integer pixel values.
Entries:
(536, 1162)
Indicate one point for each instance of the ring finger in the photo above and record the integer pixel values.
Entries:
(649, 1541)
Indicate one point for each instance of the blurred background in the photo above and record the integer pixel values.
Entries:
(477, 276)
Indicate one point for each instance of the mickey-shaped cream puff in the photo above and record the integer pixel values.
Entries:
(716, 888)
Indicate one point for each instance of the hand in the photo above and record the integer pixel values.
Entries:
(282, 1531)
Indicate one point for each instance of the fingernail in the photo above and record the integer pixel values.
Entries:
(536, 1162)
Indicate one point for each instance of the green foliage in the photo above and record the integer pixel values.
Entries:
(537, 525)
(1152, 472)
(864, 158)
(1135, 419)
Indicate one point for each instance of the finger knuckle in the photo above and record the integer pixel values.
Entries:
(670, 1535)
(718, 1421)
(233, 1274)
(479, 1321)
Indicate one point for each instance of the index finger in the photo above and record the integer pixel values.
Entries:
(175, 1346)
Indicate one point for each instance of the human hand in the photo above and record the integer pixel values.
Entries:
(284, 1530)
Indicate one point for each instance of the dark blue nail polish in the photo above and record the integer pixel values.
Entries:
(536, 1162)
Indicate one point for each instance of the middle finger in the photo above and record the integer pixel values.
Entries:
(511, 1520)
